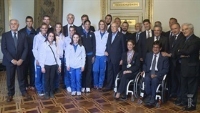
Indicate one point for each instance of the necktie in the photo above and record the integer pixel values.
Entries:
(156, 38)
(174, 40)
(15, 39)
(137, 37)
(153, 65)
(148, 34)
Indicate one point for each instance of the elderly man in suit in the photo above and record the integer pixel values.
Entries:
(14, 48)
(189, 54)
(174, 74)
(114, 49)
(70, 20)
(155, 67)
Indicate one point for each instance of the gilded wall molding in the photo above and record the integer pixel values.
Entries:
(2, 17)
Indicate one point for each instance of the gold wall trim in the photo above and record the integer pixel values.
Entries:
(2, 17)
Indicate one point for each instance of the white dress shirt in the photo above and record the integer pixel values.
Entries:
(157, 57)
(150, 33)
(60, 40)
(100, 42)
(47, 56)
(155, 38)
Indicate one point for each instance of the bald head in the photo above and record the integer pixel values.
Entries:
(14, 24)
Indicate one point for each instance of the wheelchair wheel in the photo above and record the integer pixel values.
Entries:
(164, 91)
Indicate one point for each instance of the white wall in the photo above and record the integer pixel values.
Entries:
(80, 7)
(18, 9)
(184, 10)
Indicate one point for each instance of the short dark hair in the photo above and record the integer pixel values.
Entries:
(157, 43)
(46, 16)
(133, 42)
(29, 17)
(84, 15)
(177, 24)
(43, 24)
(173, 19)
(158, 26)
(125, 22)
(58, 23)
(73, 28)
(146, 20)
(79, 41)
(109, 16)
(86, 21)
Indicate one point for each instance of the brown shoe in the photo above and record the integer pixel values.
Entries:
(9, 98)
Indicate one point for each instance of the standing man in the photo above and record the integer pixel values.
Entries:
(118, 22)
(127, 35)
(81, 27)
(70, 20)
(136, 35)
(169, 33)
(114, 49)
(108, 20)
(14, 48)
(189, 54)
(29, 33)
(46, 20)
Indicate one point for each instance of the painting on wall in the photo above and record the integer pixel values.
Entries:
(2, 17)
(52, 8)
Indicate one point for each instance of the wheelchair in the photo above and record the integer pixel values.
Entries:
(129, 89)
(162, 90)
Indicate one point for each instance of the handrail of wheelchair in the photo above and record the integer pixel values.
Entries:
(164, 76)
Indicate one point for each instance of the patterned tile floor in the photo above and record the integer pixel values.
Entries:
(95, 102)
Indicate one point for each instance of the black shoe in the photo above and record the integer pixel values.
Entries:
(9, 98)
(147, 99)
(106, 90)
(26, 95)
(192, 108)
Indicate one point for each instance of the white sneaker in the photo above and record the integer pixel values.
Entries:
(78, 93)
(83, 90)
(69, 89)
(41, 94)
(87, 90)
(73, 93)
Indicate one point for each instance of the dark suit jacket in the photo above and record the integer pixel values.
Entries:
(65, 30)
(167, 34)
(190, 65)
(115, 49)
(127, 37)
(162, 65)
(135, 63)
(136, 42)
(80, 29)
(142, 44)
(163, 40)
(29, 39)
(8, 48)
(109, 29)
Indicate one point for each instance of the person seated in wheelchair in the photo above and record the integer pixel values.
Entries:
(130, 68)
(155, 67)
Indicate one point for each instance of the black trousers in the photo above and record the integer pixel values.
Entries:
(112, 71)
(124, 79)
(87, 74)
(10, 78)
(29, 72)
(189, 85)
(175, 78)
(49, 76)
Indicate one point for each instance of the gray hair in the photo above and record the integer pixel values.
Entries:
(71, 15)
(189, 25)
(14, 20)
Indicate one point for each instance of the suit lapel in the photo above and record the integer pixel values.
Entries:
(117, 35)
(12, 40)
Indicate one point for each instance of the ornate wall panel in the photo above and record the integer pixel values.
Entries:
(132, 11)
(53, 8)
(2, 17)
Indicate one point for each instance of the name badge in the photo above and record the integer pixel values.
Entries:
(128, 65)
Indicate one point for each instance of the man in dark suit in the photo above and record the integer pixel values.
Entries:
(171, 22)
(136, 35)
(174, 72)
(142, 44)
(189, 54)
(118, 22)
(70, 20)
(81, 27)
(157, 37)
(46, 19)
(127, 35)
(158, 23)
(155, 67)
(108, 20)
(29, 32)
(114, 49)
(14, 48)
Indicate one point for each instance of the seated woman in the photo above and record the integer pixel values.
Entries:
(130, 68)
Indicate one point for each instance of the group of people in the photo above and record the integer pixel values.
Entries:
(84, 58)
